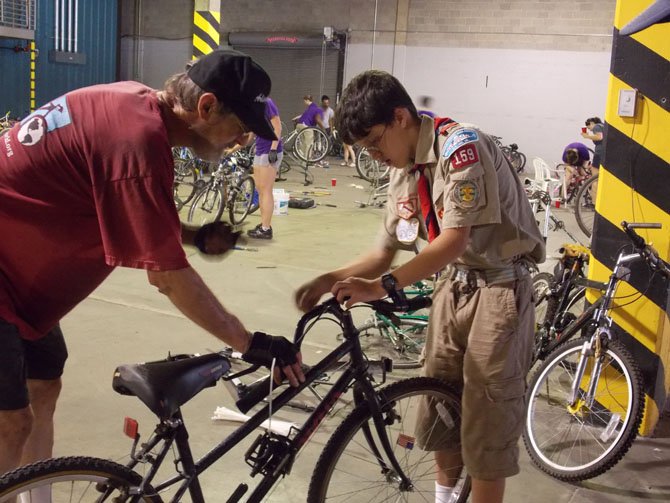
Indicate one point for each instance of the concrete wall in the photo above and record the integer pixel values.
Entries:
(530, 71)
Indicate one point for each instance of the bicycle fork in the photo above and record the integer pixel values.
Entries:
(586, 351)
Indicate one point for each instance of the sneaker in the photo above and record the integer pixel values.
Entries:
(343, 163)
(352, 165)
(259, 233)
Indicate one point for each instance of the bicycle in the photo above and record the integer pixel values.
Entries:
(540, 201)
(370, 169)
(379, 430)
(228, 187)
(585, 402)
(559, 296)
(6, 123)
(511, 152)
(187, 178)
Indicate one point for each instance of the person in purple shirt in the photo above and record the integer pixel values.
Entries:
(312, 116)
(577, 160)
(267, 160)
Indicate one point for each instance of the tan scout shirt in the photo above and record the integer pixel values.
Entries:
(472, 185)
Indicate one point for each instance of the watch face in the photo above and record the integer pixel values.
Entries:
(388, 282)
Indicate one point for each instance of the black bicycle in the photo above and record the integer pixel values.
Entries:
(378, 435)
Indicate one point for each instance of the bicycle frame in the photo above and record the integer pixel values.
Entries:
(280, 452)
(604, 322)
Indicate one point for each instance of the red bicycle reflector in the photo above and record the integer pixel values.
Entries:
(405, 441)
(130, 427)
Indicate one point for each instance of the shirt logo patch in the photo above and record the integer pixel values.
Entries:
(462, 137)
(466, 194)
(407, 230)
(406, 207)
(45, 119)
(465, 156)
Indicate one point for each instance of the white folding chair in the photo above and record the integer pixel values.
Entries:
(546, 179)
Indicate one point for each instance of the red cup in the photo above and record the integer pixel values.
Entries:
(333, 182)
(557, 203)
(583, 130)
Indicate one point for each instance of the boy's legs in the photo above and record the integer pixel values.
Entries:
(29, 372)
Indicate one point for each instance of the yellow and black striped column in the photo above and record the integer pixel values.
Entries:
(206, 35)
(33, 54)
(633, 186)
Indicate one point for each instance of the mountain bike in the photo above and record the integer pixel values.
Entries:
(228, 187)
(540, 202)
(187, 179)
(560, 296)
(307, 144)
(378, 434)
(585, 402)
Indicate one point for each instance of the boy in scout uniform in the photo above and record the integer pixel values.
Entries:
(454, 187)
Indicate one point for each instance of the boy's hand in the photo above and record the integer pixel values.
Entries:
(355, 290)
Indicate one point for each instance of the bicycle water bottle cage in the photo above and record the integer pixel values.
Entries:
(270, 454)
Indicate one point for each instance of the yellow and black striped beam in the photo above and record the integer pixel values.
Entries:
(633, 186)
(33, 54)
(206, 35)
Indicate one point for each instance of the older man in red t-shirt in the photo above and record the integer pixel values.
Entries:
(86, 186)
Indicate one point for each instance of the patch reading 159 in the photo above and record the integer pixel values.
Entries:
(465, 156)
(466, 194)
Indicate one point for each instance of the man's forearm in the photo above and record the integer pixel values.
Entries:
(370, 265)
(189, 293)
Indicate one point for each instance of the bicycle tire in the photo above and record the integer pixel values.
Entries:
(403, 344)
(96, 476)
(585, 207)
(185, 182)
(345, 441)
(369, 169)
(548, 423)
(207, 205)
(242, 199)
(312, 149)
(520, 162)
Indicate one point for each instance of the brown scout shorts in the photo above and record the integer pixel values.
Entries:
(481, 339)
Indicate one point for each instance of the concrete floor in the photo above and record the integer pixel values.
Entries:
(127, 321)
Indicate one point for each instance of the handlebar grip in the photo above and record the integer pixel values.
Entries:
(643, 225)
(629, 229)
(254, 393)
(416, 303)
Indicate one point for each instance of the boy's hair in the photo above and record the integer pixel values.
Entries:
(307, 97)
(572, 156)
(181, 90)
(325, 97)
(595, 120)
(370, 99)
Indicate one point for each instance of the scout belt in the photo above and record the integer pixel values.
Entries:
(480, 277)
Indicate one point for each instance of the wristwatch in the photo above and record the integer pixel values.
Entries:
(390, 283)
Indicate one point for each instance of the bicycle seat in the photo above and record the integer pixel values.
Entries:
(165, 385)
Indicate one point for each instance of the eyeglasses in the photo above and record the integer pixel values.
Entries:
(373, 146)
(241, 125)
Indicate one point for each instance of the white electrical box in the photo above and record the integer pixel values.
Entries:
(627, 102)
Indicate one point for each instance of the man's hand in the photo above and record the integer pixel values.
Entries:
(272, 156)
(309, 294)
(263, 348)
(216, 238)
(353, 290)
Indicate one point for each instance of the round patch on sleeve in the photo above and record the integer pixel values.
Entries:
(466, 194)
(407, 230)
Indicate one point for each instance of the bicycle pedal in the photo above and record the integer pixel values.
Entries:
(270, 454)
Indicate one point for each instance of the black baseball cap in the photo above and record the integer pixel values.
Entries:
(240, 83)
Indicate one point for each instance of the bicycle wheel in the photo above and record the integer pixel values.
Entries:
(401, 343)
(185, 182)
(242, 199)
(370, 169)
(69, 479)
(348, 470)
(518, 161)
(578, 443)
(207, 206)
(585, 211)
(311, 144)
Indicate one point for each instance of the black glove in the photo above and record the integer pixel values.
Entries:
(272, 156)
(264, 348)
(215, 238)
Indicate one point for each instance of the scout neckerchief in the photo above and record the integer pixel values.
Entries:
(442, 124)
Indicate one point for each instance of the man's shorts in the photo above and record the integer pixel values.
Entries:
(481, 340)
(263, 161)
(21, 359)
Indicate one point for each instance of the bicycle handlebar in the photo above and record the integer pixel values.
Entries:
(260, 389)
(647, 251)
